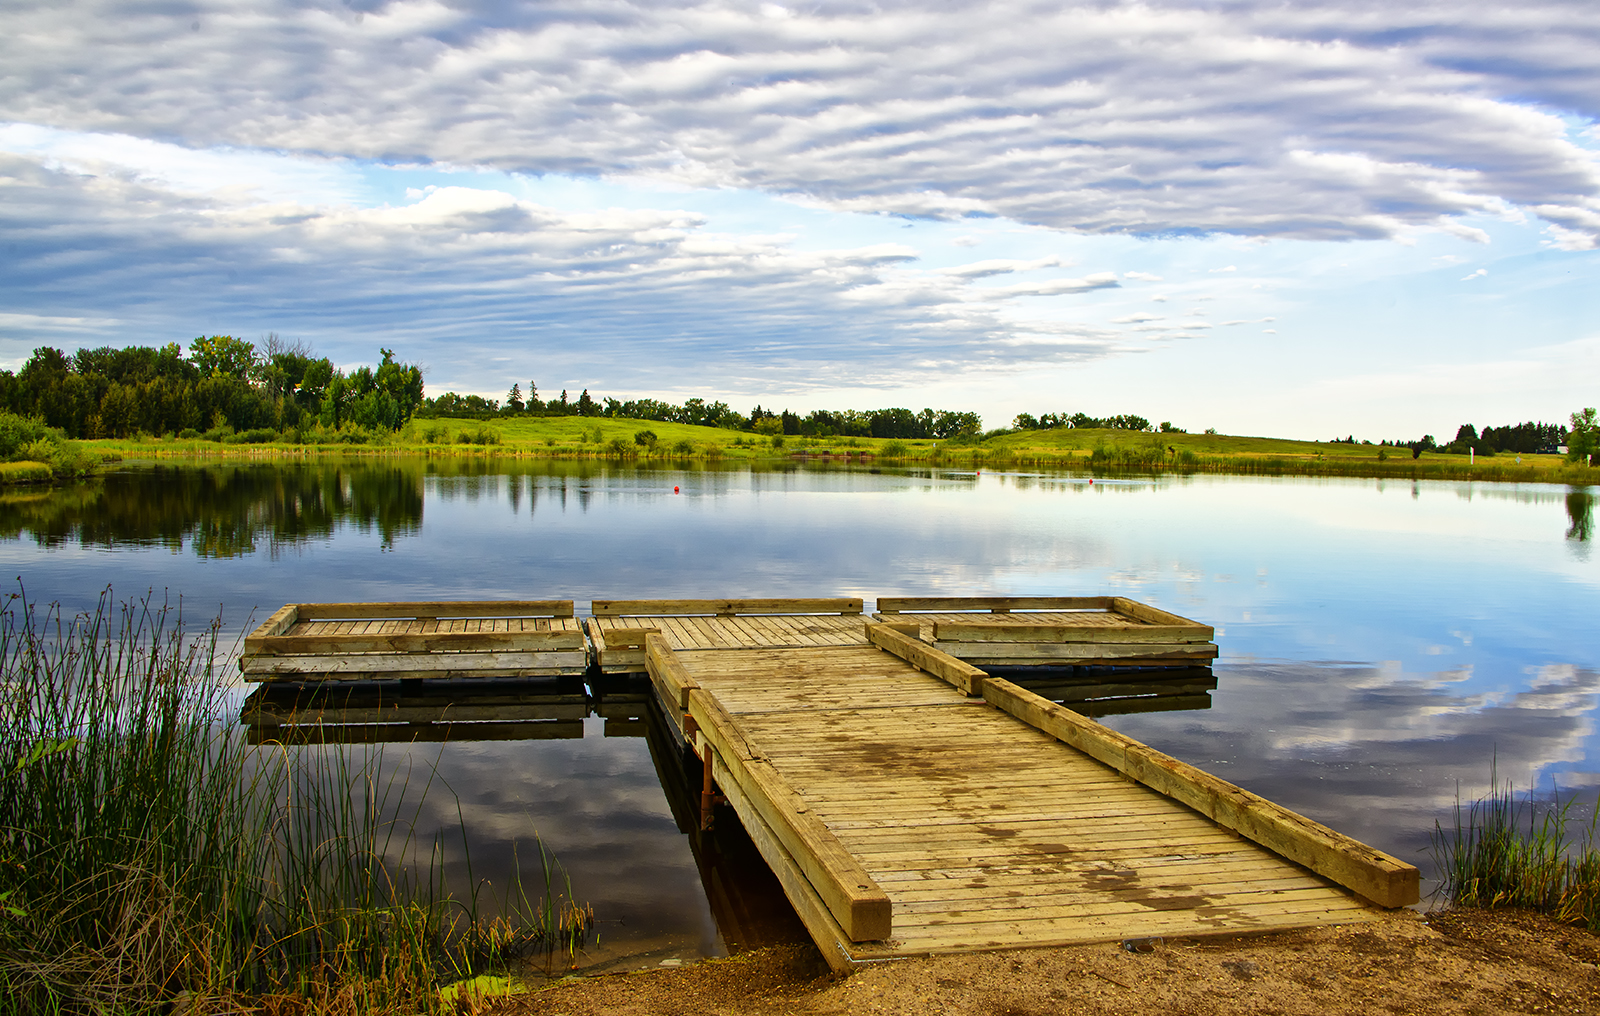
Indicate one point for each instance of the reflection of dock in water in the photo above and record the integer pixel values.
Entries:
(372, 714)
(1118, 692)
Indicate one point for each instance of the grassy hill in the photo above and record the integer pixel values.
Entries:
(1107, 451)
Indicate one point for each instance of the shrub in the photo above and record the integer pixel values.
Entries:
(18, 432)
(258, 435)
(895, 450)
(646, 439)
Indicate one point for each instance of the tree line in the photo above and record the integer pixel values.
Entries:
(1083, 421)
(223, 384)
(1522, 439)
(882, 423)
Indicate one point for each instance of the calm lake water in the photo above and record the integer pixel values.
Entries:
(1382, 642)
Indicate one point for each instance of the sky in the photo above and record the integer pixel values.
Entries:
(1302, 220)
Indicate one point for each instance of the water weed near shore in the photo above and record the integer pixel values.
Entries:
(1506, 852)
(149, 854)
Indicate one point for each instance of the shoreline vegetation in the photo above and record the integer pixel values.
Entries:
(1506, 850)
(1091, 450)
(151, 859)
(61, 415)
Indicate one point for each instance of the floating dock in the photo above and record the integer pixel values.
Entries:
(438, 640)
(1026, 631)
(909, 801)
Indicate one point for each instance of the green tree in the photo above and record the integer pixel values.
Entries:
(1584, 440)
(223, 356)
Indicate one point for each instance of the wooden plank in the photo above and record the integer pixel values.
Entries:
(439, 608)
(1005, 631)
(617, 639)
(910, 629)
(381, 665)
(282, 620)
(453, 642)
(831, 605)
(856, 902)
(1384, 880)
(923, 656)
(996, 604)
(808, 905)
(1077, 653)
(667, 672)
(1146, 613)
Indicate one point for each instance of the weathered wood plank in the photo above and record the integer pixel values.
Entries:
(383, 665)
(1385, 880)
(1146, 613)
(923, 656)
(857, 904)
(829, 605)
(830, 938)
(1079, 653)
(1002, 631)
(281, 621)
(384, 642)
(438, 608)
(672, 681)
(997, 604)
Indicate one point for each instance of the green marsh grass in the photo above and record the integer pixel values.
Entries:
(148, 854)
(1503, 851)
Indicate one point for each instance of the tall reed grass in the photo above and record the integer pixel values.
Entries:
(149, 856)
(1507, 852)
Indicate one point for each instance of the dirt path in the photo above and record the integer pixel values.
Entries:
(1487, 962)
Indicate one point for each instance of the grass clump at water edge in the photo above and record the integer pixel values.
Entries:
(1506, 852)
(149, 856)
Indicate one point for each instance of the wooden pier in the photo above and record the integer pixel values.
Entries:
(909, 801)
(911, 804)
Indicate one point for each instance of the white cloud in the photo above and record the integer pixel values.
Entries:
(468, 276)
(999, 266)
(1480, 273)
(1141, 276)
(1331, 120)
(1230, 268)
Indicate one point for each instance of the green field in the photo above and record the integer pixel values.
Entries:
(1101, 451)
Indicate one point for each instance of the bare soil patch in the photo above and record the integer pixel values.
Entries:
(1468, 961)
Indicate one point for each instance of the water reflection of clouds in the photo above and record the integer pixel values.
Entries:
(1377, 752)
(596, 803)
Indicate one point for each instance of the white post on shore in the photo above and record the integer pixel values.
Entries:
(1472, 456)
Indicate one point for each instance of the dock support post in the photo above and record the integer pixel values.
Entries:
(708, 792)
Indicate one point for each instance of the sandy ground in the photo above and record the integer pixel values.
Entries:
(1486, 962)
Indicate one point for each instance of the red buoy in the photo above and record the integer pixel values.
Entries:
(674, 490)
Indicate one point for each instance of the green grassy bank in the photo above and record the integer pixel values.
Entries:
(1106, 451)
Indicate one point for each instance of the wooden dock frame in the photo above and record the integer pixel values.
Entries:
(449, 639)
(617, 628)
(849, 913)
(1058, 631)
